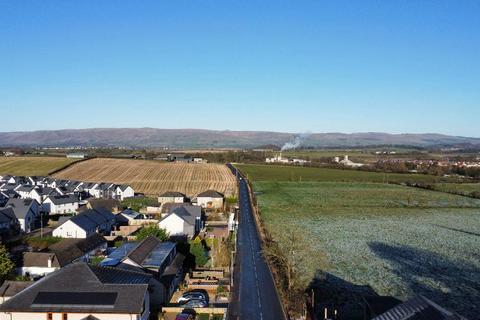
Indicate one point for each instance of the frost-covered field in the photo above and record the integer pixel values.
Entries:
(400, 241)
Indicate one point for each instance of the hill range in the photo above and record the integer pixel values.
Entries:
(200, 138)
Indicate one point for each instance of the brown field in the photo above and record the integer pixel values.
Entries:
(32, 166)
(153, 177)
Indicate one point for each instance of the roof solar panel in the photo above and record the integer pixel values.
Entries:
(75, 298)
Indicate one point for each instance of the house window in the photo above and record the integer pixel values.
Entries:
(49, 316)
(64, 316)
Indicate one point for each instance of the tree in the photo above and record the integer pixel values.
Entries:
(6, 264)
(198, 251)
(152, 230)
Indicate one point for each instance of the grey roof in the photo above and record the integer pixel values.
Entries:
(82, 287)
(69, 198)
(7, 215)
(188, 213)
(21, 207)
(10, 288)
(148, 253)
(172, 194)
(91, 218)
(45, 191)
(123, 187)
(25, 188)
(418, 308)
(210, 194)
(63, 252)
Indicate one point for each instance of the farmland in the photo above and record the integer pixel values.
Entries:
(460, 188)
(32, 166)
(153, 177)
(291, 173)
(399, 241)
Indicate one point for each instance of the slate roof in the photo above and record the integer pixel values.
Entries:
(64, 252)
(210, 194)
(21, 207)
(82, 287)
(172, 194)
(7, 215)
(418, 308)
(91, 218)
(10, 288)
(123, 187)
(58, 200)
(188, 213)
(25, 188)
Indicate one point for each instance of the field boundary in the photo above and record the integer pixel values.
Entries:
(67, 166)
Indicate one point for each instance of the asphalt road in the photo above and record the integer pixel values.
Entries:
(254, 295)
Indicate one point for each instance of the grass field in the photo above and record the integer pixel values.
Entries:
(32, 166)
(292, 173)
(154, 177)
(397, 240)
(461, 188)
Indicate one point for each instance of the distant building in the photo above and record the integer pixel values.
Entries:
(347, 162)
(279, 159)
(76, 155)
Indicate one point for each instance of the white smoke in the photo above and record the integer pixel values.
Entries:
(296, 142)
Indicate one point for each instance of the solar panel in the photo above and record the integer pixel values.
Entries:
(78, 299)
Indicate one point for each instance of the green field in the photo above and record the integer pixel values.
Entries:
(292, 173)
(32, 166)
(399, 241)
(460, 188)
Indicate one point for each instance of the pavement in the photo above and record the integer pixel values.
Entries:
(254, 293)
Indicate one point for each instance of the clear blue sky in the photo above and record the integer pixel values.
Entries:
(319, 66)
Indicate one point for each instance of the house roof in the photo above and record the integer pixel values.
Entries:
(10, 288)
(418, 308)
(188, 213)
(123, 187)
(148, 253)
(21, 207)
(210, 194)
(79, 287)
(25, 188)
(6, 215)
(172, 194)
(63, 199)
(63, 252)
(40, 259)
(91, 218)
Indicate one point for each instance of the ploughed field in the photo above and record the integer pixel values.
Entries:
(154, 177)
(32, 166)
(398, 240)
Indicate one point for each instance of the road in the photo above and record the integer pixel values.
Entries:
(254, 294)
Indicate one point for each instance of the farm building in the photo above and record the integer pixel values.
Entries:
(210, 199)
(172, 196)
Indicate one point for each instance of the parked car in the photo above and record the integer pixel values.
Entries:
(187, 296)
(195, 303)
(184, 316)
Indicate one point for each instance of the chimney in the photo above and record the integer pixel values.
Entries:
(345, 158)
(50, 260)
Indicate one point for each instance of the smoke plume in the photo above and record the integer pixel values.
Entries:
(296, 142)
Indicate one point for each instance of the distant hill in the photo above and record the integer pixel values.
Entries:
(198, 138)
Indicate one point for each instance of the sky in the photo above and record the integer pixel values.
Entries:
(292, 66)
